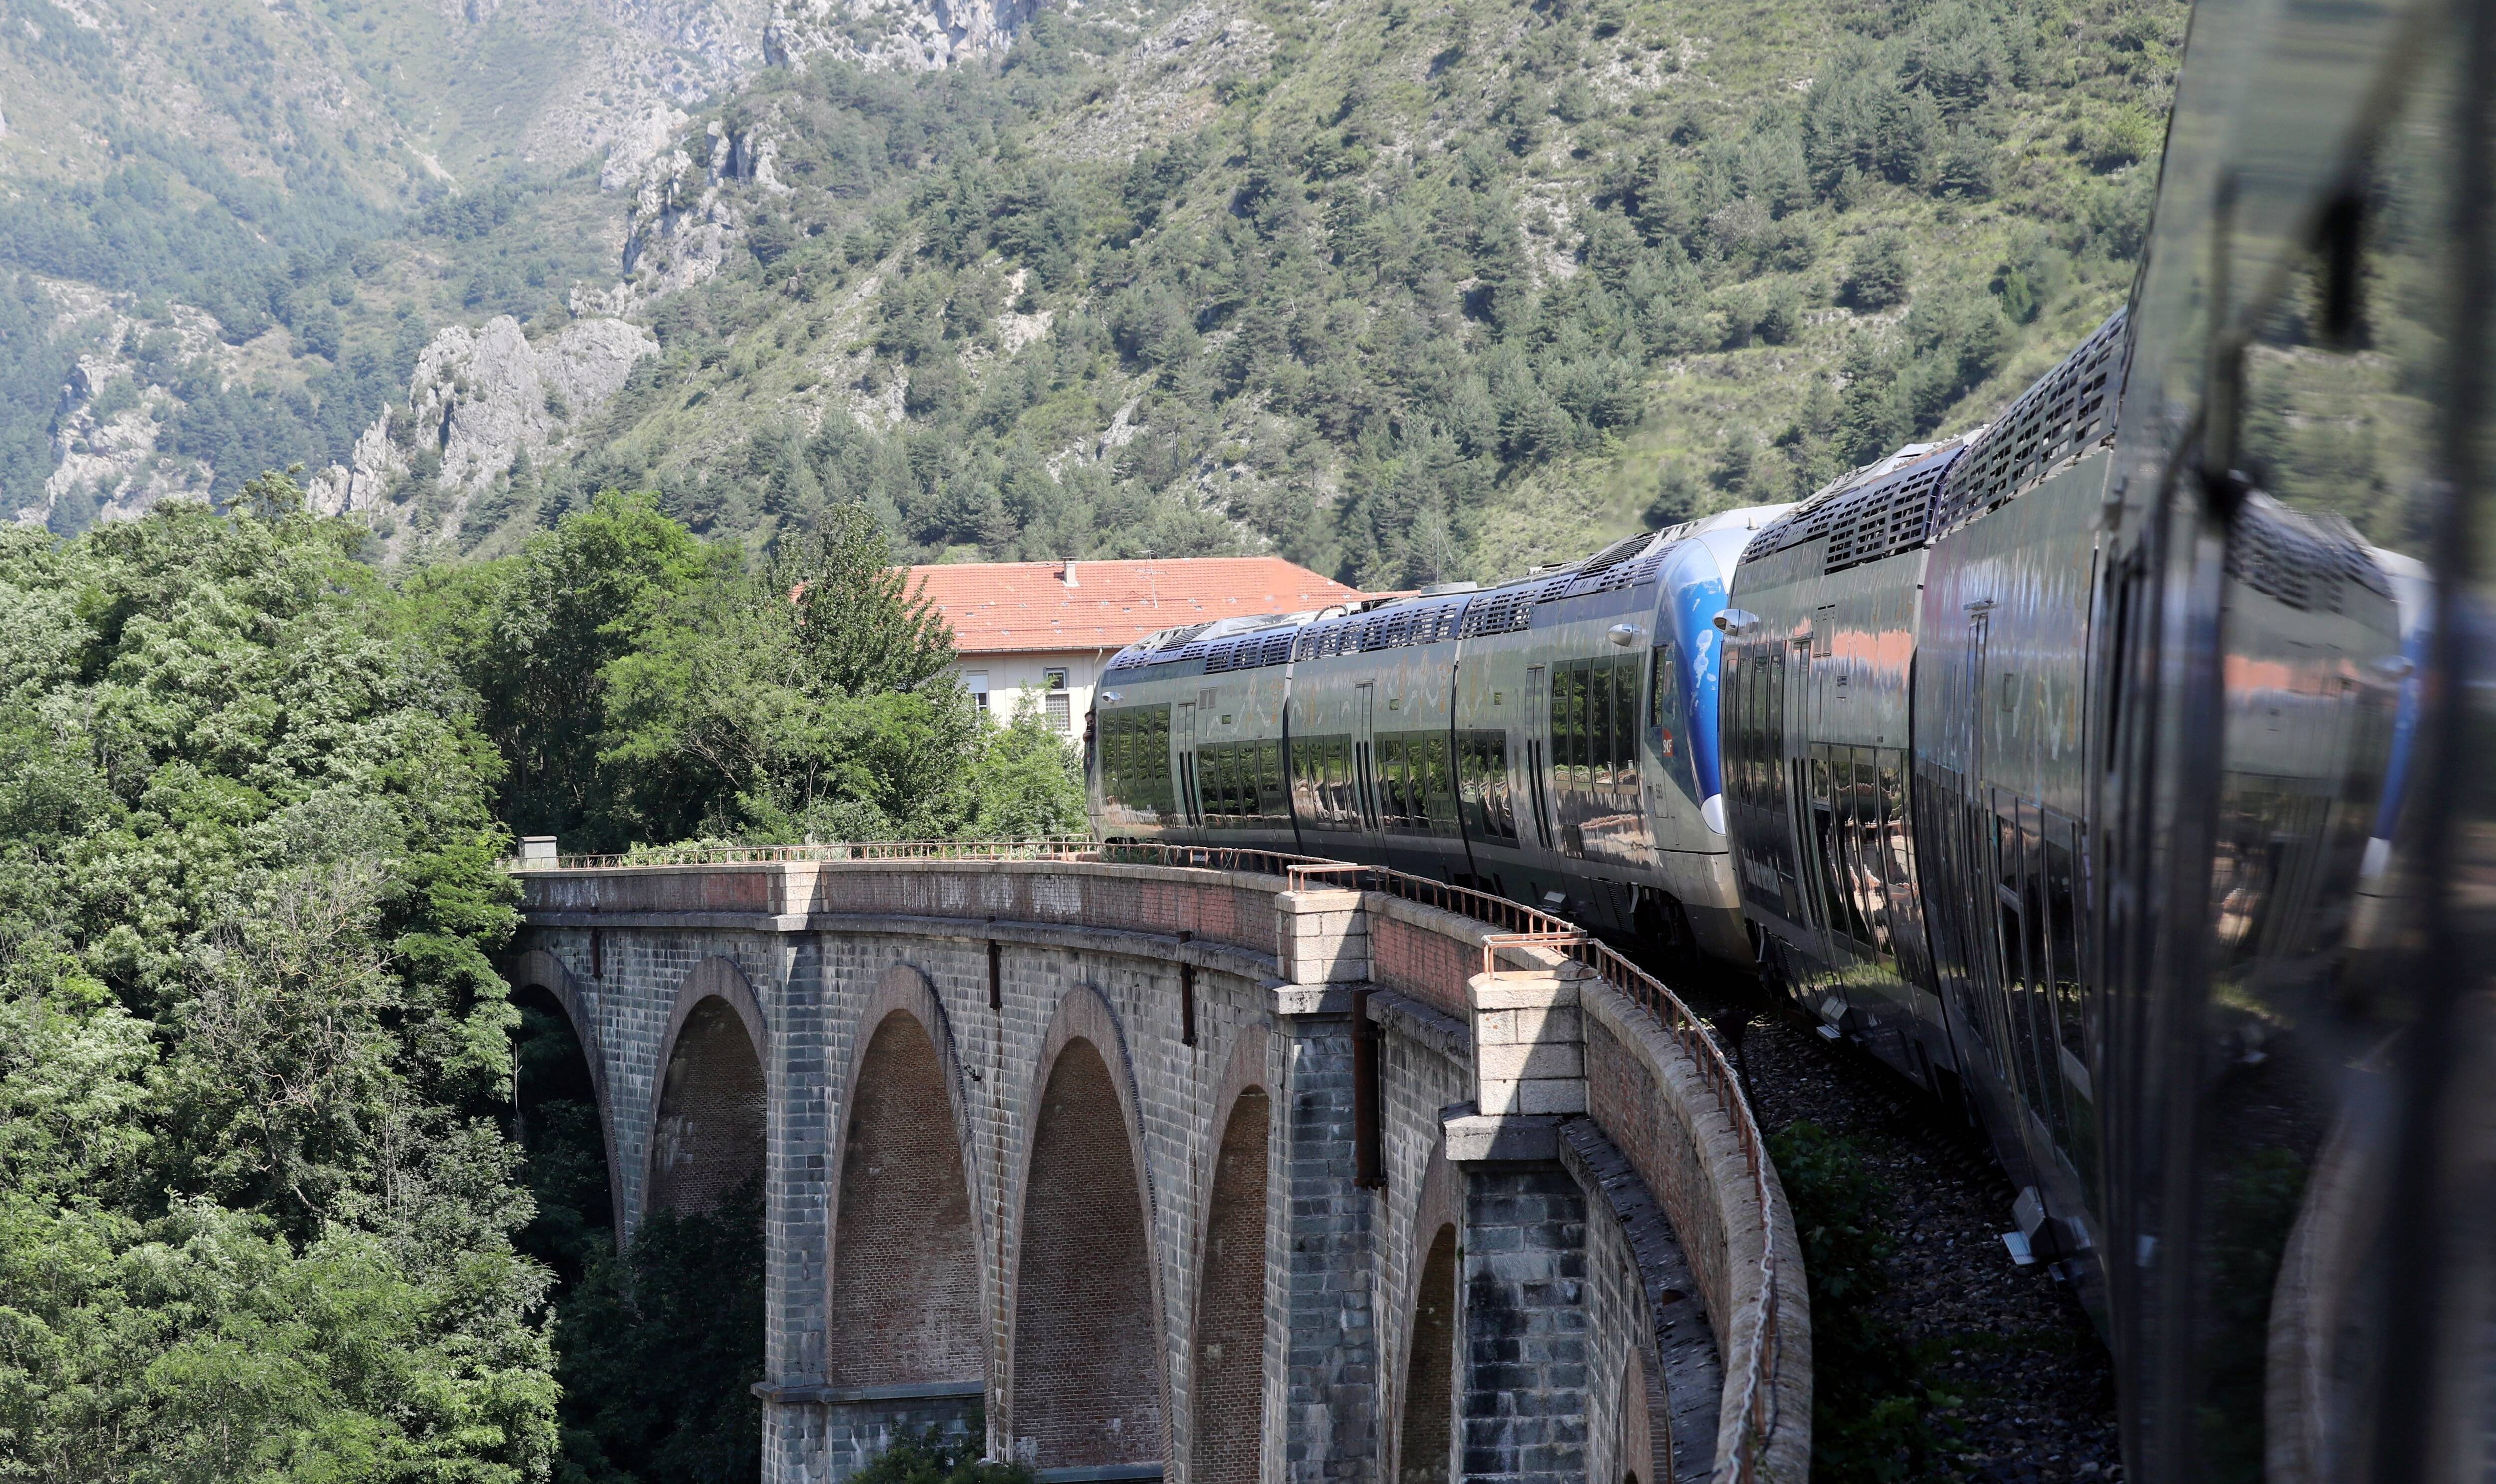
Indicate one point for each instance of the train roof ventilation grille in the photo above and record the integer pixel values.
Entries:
(1865, 522)
(2304, 561)
(1887, 517)
(1503, 610)
(1250, 651)
(2070, 408)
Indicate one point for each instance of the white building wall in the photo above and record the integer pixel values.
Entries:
(1013, 680)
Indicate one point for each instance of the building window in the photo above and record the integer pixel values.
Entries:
(978, 682)
(1060, 704)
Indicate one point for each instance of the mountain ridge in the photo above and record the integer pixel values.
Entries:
(1407, 292)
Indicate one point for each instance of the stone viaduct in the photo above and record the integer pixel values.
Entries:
(1158, 1171)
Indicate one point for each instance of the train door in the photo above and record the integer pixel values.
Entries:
(1364, 757)
(1807, 790)
(1988, 918)
(1191, 811)
(1291, 793)
(1538, 763)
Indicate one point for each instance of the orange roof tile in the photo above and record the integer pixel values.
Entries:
(1029, 607)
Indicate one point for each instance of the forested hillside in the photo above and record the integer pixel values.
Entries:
(1402, 290)
(1408, 293)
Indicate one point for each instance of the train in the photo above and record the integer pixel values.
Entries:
(2113, 770)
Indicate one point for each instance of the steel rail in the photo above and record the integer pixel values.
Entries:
(1519, 928)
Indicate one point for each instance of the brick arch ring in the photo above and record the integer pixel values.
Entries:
(1084, 1015)
(715, 977)
(904, 989)
(1436, 1205)
(537, 968)
(1249, 1069)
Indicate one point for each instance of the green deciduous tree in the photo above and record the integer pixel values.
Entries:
(255, 1208)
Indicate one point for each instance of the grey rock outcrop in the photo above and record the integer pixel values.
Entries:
(477, 401)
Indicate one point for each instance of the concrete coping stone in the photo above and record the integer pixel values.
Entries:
(1476, 1138)
(1443, 1033)
(812, 1388)
(1290, 999)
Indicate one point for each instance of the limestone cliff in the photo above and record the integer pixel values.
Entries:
(477, 401)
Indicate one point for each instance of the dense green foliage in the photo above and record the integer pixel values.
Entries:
(264, 1209)
(1868, 1401)
(930, 1458)
(650, 686)
(255, 1212)
(660, 1350)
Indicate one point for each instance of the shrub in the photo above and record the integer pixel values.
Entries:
(1866, 1391)
(1879, 278)
(931, 1457)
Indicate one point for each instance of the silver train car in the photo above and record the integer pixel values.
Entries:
(1552, 739)
(1909, 742)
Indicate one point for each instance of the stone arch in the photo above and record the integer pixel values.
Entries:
(905, 1301)
(537, 969)
(1425, 1427)
(1087, 1388)
(1644, 1452)
(1226, 1357)
(712, 1117)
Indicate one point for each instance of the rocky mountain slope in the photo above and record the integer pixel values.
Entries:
(1408, 290)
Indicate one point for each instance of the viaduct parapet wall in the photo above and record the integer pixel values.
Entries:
(1165, 1172)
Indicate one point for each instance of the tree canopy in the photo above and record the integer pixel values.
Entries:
(265, 1209)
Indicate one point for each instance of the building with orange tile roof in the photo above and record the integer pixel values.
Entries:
(1038, 632)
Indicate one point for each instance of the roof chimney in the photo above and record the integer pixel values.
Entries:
(1069, 576)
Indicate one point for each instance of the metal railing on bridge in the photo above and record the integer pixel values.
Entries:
(1520, 927)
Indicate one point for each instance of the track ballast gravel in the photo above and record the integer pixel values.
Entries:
(2034, 1384)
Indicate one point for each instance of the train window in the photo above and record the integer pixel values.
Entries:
(1482, 782)
(1343, 809)
(1892, 856)
(1415, 789)
(1135, 765)
(1585, 728)
(1759, 759)
(1273, 798)
(1870, 825)
(1437, 781)
(1659, 686)
(1321, 770)
(1824, 830)
(1626, 670)
(1839, 862)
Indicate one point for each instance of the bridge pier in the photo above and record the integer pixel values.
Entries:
(1146, 1172)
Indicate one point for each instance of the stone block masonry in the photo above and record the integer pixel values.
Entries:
(1141, 1172)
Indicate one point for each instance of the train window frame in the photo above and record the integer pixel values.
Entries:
(1659, 675)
